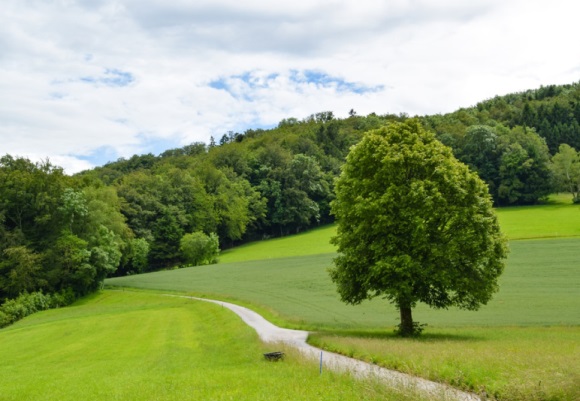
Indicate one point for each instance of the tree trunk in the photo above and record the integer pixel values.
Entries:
(406, 327)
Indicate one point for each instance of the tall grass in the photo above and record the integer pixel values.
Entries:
(137, 346)
(509, 363)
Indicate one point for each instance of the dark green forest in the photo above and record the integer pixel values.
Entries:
(62, 233)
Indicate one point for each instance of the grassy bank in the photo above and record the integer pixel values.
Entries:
(509, 363)
(139, 346)
(312, 242)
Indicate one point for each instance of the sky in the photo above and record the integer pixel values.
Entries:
(85, 82)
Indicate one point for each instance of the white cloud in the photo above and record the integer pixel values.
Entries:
(86, 81)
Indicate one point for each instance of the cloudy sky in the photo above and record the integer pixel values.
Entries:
(84, 82)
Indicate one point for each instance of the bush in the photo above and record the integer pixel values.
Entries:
(15, 309)
(5, 320)
(28, 303)
(199, 249)
(63, 298)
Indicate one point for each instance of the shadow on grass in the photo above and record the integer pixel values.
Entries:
(388, 334)
(94, 297)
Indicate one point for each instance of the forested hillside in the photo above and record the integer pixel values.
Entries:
(59, 232)
(57, 235)
(509, 140)
(257, 184)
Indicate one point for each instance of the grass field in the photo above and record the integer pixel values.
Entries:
(555, 219)
(524, 345)
(137, 346)
(312, 242)
(540, 286)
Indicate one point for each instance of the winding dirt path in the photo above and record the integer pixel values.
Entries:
(296, 338)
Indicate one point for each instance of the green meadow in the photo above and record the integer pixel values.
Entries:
(540, 286)
(312, 242)
(557, 218)
(118, 345)
(523, 345)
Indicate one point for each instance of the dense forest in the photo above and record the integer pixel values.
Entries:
(62, 233)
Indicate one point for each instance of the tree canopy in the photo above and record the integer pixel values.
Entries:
(414, 225)
(56, 235)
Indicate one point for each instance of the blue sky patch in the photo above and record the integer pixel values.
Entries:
(239, 85)
(219, 84)
(111, 77)
(100, 156)
(324, 80)
(156, 145)
(250, 79)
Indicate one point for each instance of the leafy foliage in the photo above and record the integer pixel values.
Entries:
(199, 249)
(56, 235)
(414, 225)
(28, 303)
(566, 169)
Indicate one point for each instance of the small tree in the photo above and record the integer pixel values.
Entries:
(199, 249)
(139, 254)
(414, 225)
(566, 169)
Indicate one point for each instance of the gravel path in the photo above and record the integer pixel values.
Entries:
(273, 334)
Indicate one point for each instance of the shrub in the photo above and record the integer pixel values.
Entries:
(199, 249)
(28, 303)
(5, 319)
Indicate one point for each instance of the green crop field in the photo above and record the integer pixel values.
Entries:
(138, 346)
(540, 286)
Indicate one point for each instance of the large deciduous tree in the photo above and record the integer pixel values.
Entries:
(414, 225)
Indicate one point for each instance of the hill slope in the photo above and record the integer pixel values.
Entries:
(137, 346)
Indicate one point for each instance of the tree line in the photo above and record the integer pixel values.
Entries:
(148, 212)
